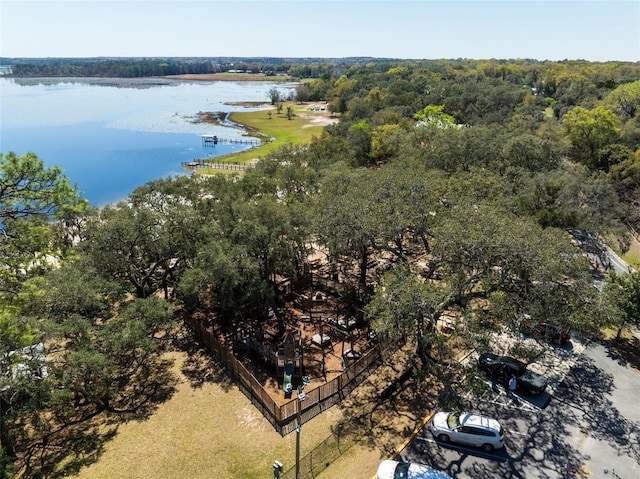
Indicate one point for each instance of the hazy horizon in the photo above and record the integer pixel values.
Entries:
(604, 30)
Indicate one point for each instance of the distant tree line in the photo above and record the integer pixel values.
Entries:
(116, 69)
(146, 67)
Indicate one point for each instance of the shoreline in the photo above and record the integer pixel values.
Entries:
(148, 81)
(306, 122)
(259, 77)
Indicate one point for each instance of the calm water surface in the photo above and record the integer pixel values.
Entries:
(111, 136)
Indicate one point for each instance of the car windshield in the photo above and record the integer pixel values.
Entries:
(402, 471)
(453, 420)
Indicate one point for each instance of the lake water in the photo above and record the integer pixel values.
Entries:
(111, 136)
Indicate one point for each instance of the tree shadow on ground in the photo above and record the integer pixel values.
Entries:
(587, 390)
(60, 443)
(201, 366)
(539, 443)
(544, 451)
(68, 451)
(626, 351)
(586, 408)
(378, 423)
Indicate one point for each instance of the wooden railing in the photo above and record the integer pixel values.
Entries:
(215, 166)
(283, 417)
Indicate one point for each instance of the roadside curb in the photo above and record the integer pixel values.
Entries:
(411, 437)
(413, 434)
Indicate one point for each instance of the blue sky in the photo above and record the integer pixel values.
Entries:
(424, 29)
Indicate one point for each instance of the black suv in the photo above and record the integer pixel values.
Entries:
(501, 368)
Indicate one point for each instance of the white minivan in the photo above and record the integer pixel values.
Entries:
(406, 470)
(469, 429)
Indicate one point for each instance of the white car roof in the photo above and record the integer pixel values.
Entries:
(469, 419)
(387, 470)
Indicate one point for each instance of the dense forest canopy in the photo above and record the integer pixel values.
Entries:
(479, 168)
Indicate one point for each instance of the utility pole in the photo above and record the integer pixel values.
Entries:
(300, 398)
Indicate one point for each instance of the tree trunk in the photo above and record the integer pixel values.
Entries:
(619, 334)
(425, 243)
(363, 267)
(423, 351)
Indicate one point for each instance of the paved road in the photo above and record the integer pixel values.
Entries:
(602, 258)
(588, 426)
(617, 264)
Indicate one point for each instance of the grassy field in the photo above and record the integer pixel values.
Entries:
(632, 257)
(303, 125)
(208, 428)
(205, 430)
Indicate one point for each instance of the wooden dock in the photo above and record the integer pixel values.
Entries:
(214, 140)
(194, 165)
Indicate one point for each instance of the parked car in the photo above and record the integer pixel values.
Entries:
(501, 368)
(549, 331)
(467, 428)
(405, 470)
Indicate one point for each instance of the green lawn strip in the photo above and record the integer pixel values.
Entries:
(299, 129)
(632, 258)
(632, 255)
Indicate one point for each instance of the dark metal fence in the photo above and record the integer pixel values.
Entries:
(320, 456)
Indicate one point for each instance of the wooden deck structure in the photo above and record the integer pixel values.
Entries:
(215, 139)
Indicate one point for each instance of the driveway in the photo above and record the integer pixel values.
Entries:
(588, 425)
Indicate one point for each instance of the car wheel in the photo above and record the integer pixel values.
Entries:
(487, 447)
(443, 438)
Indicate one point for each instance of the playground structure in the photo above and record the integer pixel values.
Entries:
(282, 351)
(289, 362)
(314, 334)
(330, 348)
(269, 352)
(331, 322)
(286, 356)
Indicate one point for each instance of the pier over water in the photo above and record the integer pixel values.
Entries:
(215, 139)
(200, 164)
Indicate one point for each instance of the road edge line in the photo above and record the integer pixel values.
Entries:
(414, 433)
(411, 437)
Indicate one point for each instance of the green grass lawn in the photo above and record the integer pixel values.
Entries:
(208, 428)
(632, 257)
(304, 125)
(203, 431)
